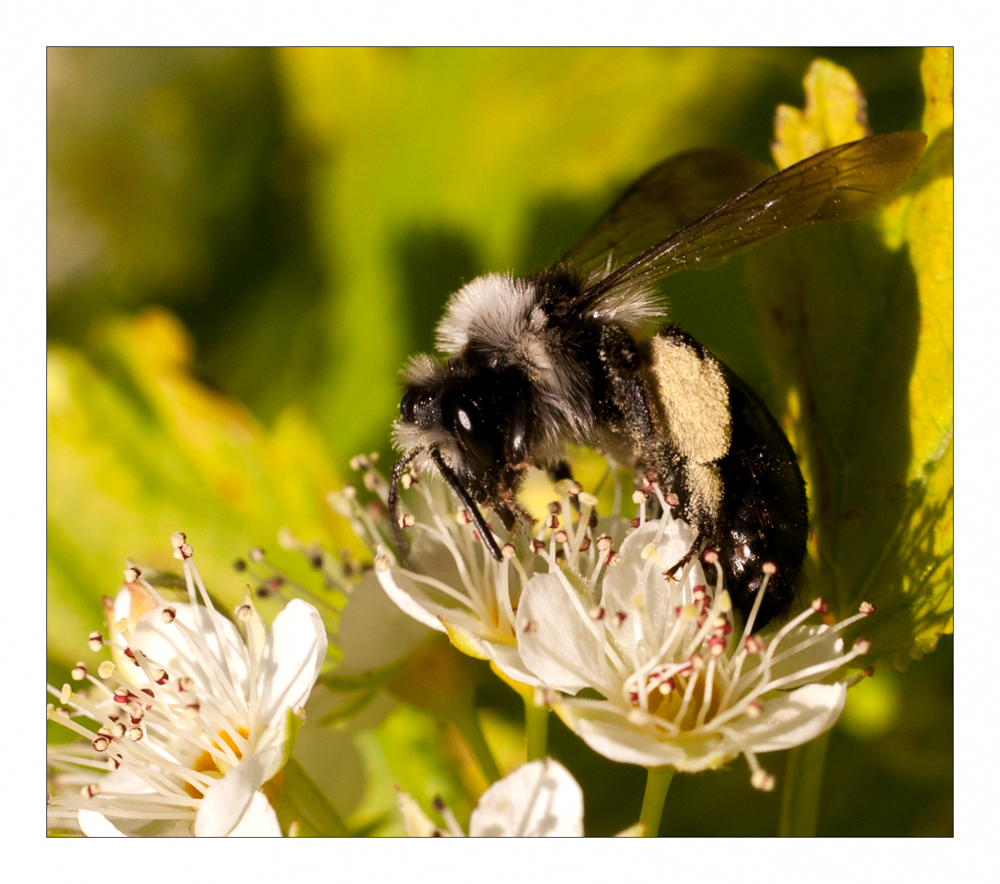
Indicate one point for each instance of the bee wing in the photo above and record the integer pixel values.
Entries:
(839, 184)
(668, 197)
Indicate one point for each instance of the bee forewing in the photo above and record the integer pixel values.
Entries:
(840, 184)
(668, 197)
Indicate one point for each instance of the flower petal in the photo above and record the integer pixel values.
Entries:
(637, 579)
(229, 800)
(792, 719)
(508, 659)
(416, 823)
(407, 596)
(558, 641)
(259, 820)
(124, 782)
(290, 664)
(168, 645)
(606, 729)
(95, 825)
(540, 798)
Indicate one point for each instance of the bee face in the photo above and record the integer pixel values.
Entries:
(476, 414)
(581, 353)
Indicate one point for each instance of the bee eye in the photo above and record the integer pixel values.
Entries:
(469, 427)
(407, 405)
(414, 402)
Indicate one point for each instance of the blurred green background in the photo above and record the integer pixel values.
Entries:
(245, 244)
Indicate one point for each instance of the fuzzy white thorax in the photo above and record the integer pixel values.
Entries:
(632, 304)
(503, 315)
(500, 314)
(498, 310)
(501, 310)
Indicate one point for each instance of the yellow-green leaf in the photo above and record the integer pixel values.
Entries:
(937, 73)
(439, 164)
(858, 320)
(835, 113)
(138, 449)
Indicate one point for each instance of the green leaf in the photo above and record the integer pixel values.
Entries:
(137, 449)
(424, 757)
(857, 320)
(300, 799)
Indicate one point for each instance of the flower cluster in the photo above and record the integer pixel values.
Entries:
(192, 718)
(449, 583)
(642, 663)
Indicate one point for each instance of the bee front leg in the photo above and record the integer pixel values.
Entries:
(696, 549)
(628, 408)
(559, 472)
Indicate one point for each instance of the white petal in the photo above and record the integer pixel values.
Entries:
(635, 576)
(508, 659)
(607, 731)
(94, 825)
(259, 820)
(540, 798)
(793, 719)
(121, 781)
(125, 782)
(167, 645)
(405, 593)
(829, 648)
(227, 801)
(290, 664)
(558, 640)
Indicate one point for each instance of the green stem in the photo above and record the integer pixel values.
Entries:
(536, 729)
(467, 722)
(803, 779)
(657, 783)
(307, 801)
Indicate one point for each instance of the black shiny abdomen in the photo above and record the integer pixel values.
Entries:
(765, 516)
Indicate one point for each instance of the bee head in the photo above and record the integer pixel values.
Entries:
(472, 420)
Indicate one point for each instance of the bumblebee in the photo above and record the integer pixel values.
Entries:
(581, 353)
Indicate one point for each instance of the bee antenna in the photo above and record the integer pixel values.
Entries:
(467, 501)
(393, 502)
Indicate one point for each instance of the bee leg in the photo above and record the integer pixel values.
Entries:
(470, 505)
(627, 408)
(512, 514)
(695, 549)
(508, 513)
(559, 472)
(398, 469)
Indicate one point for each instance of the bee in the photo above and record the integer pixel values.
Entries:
(581, 353)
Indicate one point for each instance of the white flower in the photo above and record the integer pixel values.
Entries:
(677, 688)
(539, 799)
(193, 720)
(661, 677)
(450, 582)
